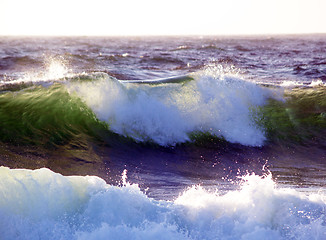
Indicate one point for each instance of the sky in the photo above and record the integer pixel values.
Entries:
(161, 17)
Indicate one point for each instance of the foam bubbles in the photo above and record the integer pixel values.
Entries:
(216, 102)
(41, 204)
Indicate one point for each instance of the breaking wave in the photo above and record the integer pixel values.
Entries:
(59, 106)
(41, 204)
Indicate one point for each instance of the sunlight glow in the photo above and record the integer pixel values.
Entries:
(168, 17)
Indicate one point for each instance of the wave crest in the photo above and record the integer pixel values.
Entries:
(217, 102)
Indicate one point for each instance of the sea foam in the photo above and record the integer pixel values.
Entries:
(216, 102)
(41, 204)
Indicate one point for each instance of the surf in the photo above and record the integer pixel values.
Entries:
(167, 114)
(44, 204)
(216, 102)
(198, 123)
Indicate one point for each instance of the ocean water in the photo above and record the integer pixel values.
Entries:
(234, 150)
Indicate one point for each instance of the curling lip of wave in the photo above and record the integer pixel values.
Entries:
(218, 104)
(216, 101)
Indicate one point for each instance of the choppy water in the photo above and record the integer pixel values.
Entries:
(249, 128)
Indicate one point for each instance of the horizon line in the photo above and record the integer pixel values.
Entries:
(165, 35)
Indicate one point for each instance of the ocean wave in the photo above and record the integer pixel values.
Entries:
(216, 102)
(54, 69)
(45, 116)
(299, 119)
(162, 59)
(41, 204)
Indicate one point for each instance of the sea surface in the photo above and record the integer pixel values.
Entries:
(225, 138)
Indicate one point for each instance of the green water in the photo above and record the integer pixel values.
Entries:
(300, 119)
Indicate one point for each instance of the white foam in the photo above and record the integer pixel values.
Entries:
(317, 83)
(216, 102)
(314, 83)
(42, 204)
(288, 84)
(54, 70)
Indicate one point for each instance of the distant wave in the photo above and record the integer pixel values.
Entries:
(9, 62)
(161, 59)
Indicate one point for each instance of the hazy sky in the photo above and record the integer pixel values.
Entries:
(161, 17)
